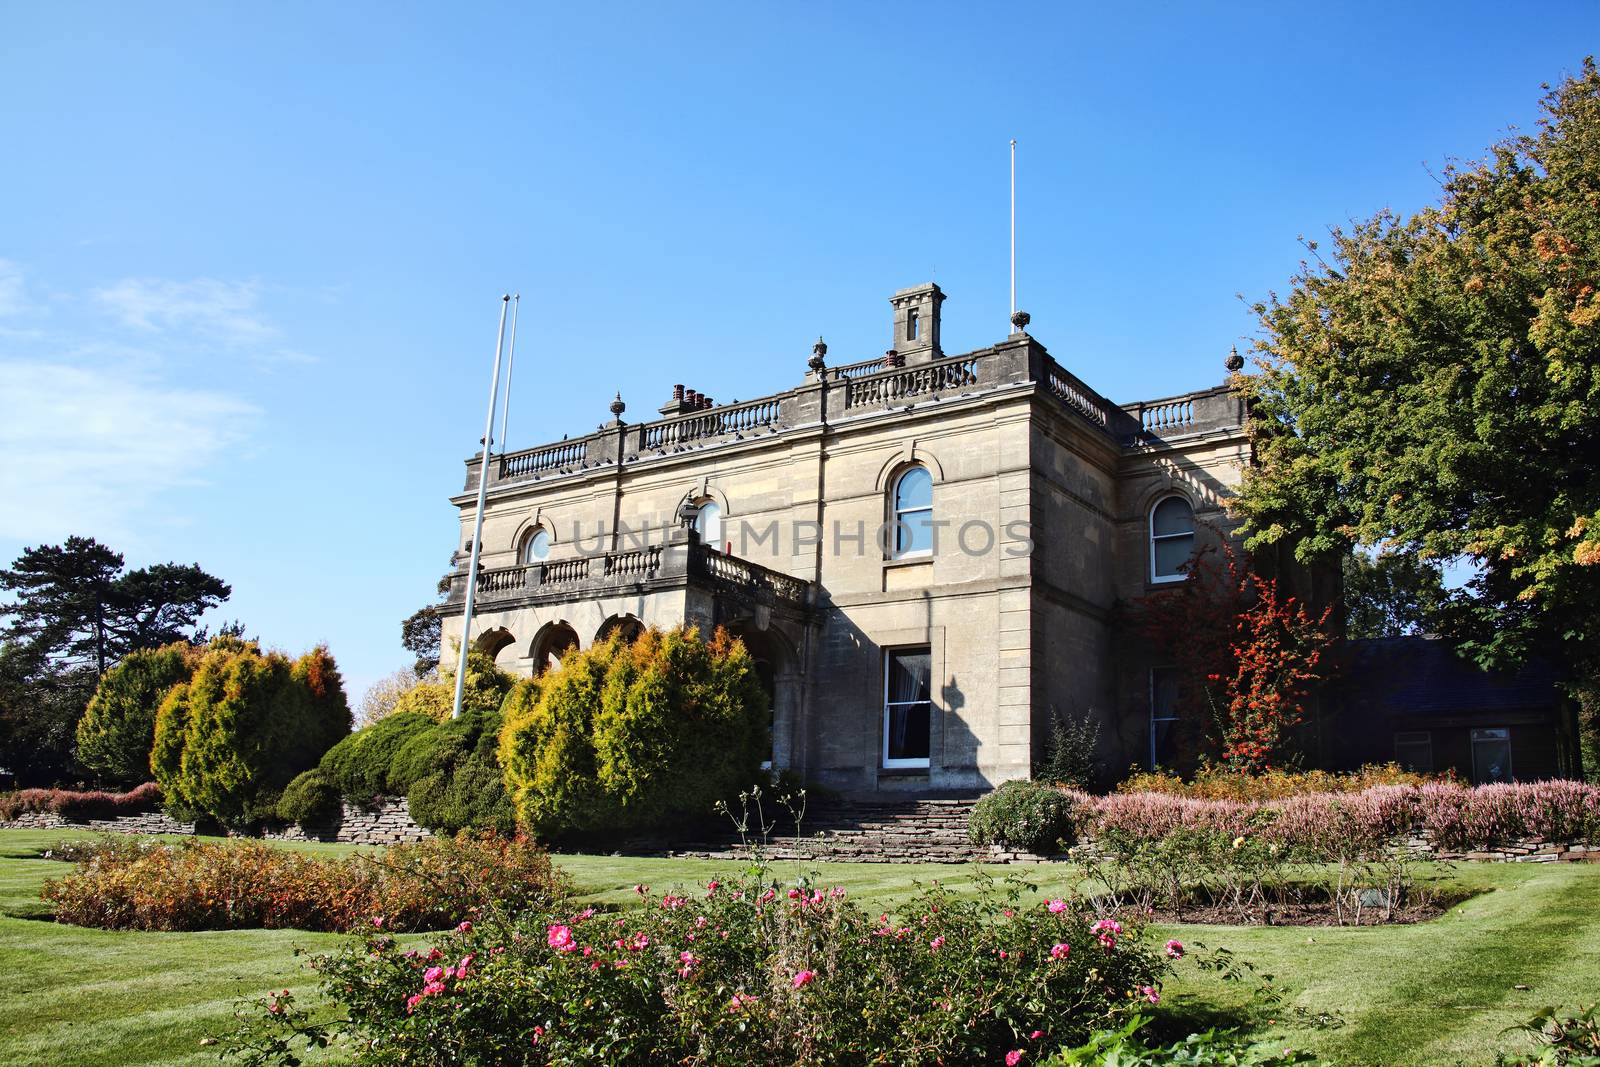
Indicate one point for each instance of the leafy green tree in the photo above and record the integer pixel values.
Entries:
(76, 604)
(75, 611)
(119, 726)
(1391, 595)
(1431, 386)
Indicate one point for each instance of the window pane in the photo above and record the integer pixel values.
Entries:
(1491, 756)
(914, 533)
(538, 547)
(1163, 743)
(1172, 553)
(914, 490)
(708, 524)
(909, 671)
(1164, 693)
(908, 732)
(1172, 516)
(1413, 750)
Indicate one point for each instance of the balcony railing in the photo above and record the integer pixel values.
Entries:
(1071, 391)
(743, 576)
(717, 422)
(908, 383)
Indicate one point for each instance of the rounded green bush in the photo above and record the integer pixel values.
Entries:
(1024, 815)
(470, 796)
(309, 798)
(118, 728)
(360, 765)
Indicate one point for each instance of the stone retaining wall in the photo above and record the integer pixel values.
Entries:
(387, 822)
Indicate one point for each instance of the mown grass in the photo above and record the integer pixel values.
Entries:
(1434, 993)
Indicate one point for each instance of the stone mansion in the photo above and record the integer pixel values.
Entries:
(922, 551)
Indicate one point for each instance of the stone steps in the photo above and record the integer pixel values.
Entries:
(871, 831)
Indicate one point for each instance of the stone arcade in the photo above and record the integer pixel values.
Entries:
(921, 550)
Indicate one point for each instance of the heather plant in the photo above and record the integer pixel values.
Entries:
(750, 971)
(80, 805)
(196, 885)
(119, 726)
(1480, 817)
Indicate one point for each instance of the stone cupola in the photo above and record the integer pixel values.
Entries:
(916, 322)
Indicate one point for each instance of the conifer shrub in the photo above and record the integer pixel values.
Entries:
(625, 736)
(361, 764)
(247, 722)
(485, 689)
(119, 726)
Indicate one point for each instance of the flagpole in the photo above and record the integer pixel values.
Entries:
(477, 523)
(1013, 226)
(511, 366)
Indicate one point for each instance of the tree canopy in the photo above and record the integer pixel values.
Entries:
(1430, 386)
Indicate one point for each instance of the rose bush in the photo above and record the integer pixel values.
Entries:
(749, 971)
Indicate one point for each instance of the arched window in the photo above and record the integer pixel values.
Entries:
(913, 513)
(1171, 538)
(708, 524)
(536, 546)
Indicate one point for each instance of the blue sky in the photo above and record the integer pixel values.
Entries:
(250, 256)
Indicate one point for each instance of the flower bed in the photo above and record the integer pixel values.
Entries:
(144, 885)
(746, 972)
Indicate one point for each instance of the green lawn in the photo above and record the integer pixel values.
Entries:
(1435, 993)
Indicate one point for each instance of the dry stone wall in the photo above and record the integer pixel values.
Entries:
(387, 822)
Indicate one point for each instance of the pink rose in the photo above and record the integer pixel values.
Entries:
(1013, 1057)
(464, 927)
(937, 943)
(1056, 906)
(1175, 949)
(1060, 950)
(804, 978)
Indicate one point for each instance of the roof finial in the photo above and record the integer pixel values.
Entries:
(1234, 362)
(1020, 320)
(618, 407)
(818, 351)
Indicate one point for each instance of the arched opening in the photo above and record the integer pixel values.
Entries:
(629, 628)
(1171, 538)
(775, 668)
(551, 646)
(498, 644)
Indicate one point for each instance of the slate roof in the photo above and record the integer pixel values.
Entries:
(1420, 676)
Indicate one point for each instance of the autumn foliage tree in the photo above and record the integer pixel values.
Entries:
(1430, 386)
(1247, 657)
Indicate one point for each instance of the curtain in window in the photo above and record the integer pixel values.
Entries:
(909, 704)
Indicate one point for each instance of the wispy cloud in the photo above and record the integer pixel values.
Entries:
(86, 449)
(228, 312)
(12, 299)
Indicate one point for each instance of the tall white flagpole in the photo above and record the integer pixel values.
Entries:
(1013, 226)
(477, 524)
(511, 366)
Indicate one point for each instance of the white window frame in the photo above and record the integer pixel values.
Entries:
(1152, 537)
(1415, 737)
(896, 512)
(1151, 680)
(922, 762)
